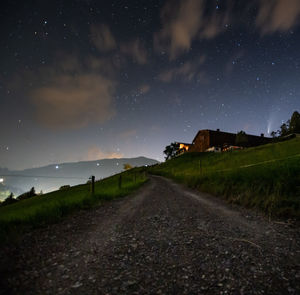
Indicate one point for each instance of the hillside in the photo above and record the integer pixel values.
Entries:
(265, 177)
(46, 208)
(65, 173)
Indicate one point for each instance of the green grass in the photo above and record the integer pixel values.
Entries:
(272, 184)
(50, 207)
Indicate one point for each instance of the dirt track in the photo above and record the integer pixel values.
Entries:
(164, 239)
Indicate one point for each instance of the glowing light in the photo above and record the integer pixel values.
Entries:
(56, 167)
(1, 180)
(98, 164)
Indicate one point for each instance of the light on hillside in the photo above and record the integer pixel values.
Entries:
(1, 180)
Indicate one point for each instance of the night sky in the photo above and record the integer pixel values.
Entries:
(84, 80)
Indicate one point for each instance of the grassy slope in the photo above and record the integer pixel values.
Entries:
(273, 186)
(52, 206)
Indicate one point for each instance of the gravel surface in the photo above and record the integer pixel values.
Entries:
(164, 239)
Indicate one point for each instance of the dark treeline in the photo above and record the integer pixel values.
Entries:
(291, 126)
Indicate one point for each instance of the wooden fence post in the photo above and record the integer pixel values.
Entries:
(93, 184)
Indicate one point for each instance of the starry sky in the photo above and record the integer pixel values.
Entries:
(85, 80)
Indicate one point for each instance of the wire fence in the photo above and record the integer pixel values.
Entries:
(41, 176)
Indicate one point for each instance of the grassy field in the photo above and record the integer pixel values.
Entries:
(51, 207)
(265, 177)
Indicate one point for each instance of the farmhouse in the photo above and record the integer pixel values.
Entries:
(206, 139)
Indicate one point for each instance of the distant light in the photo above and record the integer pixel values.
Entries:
(98, 164)
(56, 167)
(1, 180)
(117, 164)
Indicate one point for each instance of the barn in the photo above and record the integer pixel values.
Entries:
(206, 139)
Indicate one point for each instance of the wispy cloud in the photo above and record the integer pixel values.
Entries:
(144, 88)
(181, 22)
(185, 21)
(95, 153)
(102, 37)
(186, 72)
(135, 50)
(277, 15)
(128, 134)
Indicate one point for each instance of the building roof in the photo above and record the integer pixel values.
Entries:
(224, 132)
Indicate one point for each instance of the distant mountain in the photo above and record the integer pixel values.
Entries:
(65, 173)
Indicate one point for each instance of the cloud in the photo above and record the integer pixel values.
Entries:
(73, 96)
(277, 15)
(95, 153)
(102, 37)
(181, 22)
(127, 134)
(215, 24)
(144, 88)
(108, 66)
(135, 50)
(184, 21)
(185, 72)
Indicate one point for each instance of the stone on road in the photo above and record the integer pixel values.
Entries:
(164, 239)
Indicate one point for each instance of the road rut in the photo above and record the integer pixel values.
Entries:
(164, 239)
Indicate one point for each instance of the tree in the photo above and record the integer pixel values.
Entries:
(27, 195)
(9, 200)
(241, 138)
(32, 192)
(171, 150)
(274, 134)
(284, 129)
(289, 127)
(127, 166)
(295, 123)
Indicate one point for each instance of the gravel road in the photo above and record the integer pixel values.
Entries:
(164, 239)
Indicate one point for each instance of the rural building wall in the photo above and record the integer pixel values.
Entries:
(210, 138)
(201, 142)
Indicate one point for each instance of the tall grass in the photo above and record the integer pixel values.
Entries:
(50, 207)
(265, 177)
